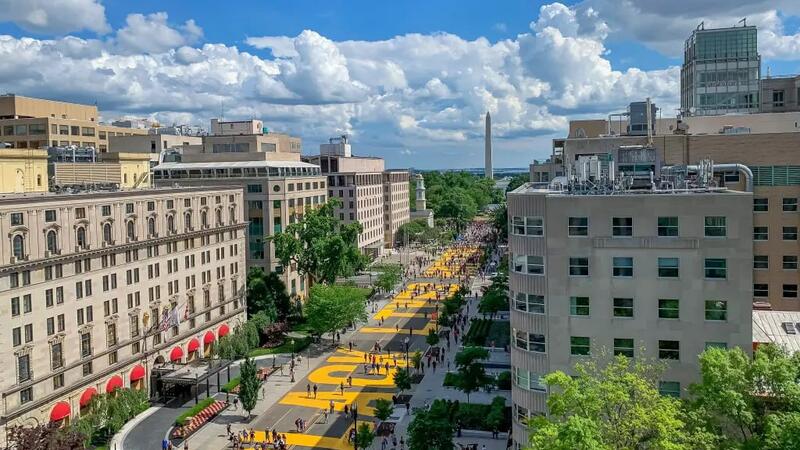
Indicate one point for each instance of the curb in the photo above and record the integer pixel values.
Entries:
(117, 441)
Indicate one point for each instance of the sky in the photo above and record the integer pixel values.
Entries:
(407, 80)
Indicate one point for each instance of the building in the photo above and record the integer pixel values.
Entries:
(421, 210)
(34, 123)
(546, 171)
(396, 204)
(84, 167)
(644, 273)
(367, 193)
(107, 289)
(780, 94)
(721, 71)
(153, 144)
(23, 170)
(276, 194)
(777, 328)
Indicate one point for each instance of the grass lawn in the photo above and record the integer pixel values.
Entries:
(286, 347)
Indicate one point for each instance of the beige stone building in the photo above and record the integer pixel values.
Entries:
(396, 204)
(152, 144)
(102, 290)
(645, 274)
(23, 170)
(34, 123)
(276, 193)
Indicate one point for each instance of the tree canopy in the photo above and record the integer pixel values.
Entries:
(518, 180)
(248, 385)
(471, 373)
(496, 296)
(389, 277)
(431, 429)
(331, 308)
(320, 245)
(458, 195)
(613, 405)
(266, 293)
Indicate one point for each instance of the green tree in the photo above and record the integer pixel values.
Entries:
(494, 299)
(517, 181)
(432, 338)
(320, 245)
(248, 385)
(384, 408)
(432, 429)
(738, 396)
(500, 222)
(416, 360)
(614, 405)
(781, 431)
(389, 277)
(471, 373)
(402, 379)
(44, 437)
(364, 435)
(331, 308)
(266, 293)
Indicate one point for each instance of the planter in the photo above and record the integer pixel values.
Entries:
(196, 422)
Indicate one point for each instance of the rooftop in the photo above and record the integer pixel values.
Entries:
(777, 327)
(78, 194)
(232, 165)
(546, 189)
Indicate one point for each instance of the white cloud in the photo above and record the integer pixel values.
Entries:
(55, 16)
(152, 34)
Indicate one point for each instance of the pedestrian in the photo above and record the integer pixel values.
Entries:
(351, 346)
(341, 388)
(165, 443)
(408, 407)
(387, 367)
(227, 428)
(403, 443)
(263, 392)
(331, 406)
(349, 382)
(315, 391)
(434, 367)
(325, 415)
(346, 410)
(235, 403)
(308, 391)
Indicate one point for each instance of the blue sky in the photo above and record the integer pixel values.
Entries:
(409, 81)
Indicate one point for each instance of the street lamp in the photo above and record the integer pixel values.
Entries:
(291, 365)
(405, 341)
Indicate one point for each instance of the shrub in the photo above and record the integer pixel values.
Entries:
(231, 385)
(504, 381)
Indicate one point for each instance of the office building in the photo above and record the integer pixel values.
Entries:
(367, 193)
(36, 123)
(600, 270)
(729, 139)
(109, 289)
(780, 94)
(153, 144)
(721, 71)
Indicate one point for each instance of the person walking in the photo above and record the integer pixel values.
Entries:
(331, 406)
(315, 391)
(308, 391)
(341, 388)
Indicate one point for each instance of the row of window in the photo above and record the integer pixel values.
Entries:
(667, 226)
(789, 204)
(622, 307)
(762, 290)
(622, 266)
(762, 233)
(761, 262)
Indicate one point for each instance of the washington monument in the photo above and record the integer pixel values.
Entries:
(487, 169)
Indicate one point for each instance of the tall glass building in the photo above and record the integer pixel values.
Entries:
(721, 72)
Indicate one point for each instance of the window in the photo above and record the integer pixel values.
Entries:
(17, 219)
(760, 233)
(716, 310)
(668, 308)
(254, 188)
(86, 345)
(23, 368)
(715, 226)
(760, 262)
(790, 291)
(578, 226)
(16, 336)
(669, 350)
(668, 267)
(579, 267)
(529, 341)
(80, 237)
(760, 204)
(28, 333)
(623, 307)
(790, 204)
(579, 306)
(535, 265)
(777, 98)
(56, 356)
(18, 246)
(789, 233)
(52, 241)
(622, 226)
(716, 268)
(720, 345)
(529, 302)
(517, 225)
(528, 380)
(789, 262)
(534, 226)
(760, 290)
(669, 388)
(623, 347)
(623, 266)
(579, 346)
(668, 226)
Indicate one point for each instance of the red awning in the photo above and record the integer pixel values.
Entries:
(137, 373)
(223, 330)
(114, 383)
(209, 337)
(87, 395)
(176, 354)
(60, 411)
(194, 344)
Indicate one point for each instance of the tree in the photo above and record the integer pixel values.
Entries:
(266, 293)
(416, 359)
(745, 400)
(320, 245)
(331, 308)
(388, 278)
(517, 181)
(44, 437)
(494, 299)
(248, 385)
(364, 435)
(500, 222)
(402, 379)
(471, 373)
(384, 408)
(614, 405)
(432, 338)
(431, 429)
